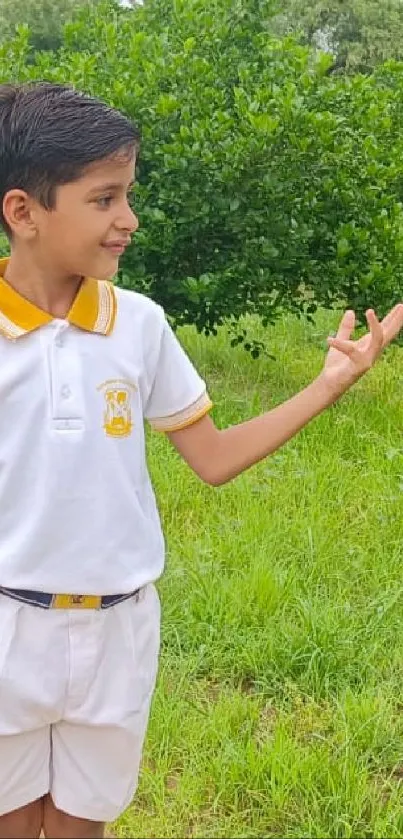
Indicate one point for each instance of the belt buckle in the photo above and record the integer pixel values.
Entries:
(76, 601)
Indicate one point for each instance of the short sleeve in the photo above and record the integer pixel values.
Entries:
(178, 395)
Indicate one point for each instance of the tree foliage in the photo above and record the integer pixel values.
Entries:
(44, 18)
(264, 184)
(360, 34)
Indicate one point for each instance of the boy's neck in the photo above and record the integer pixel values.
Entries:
(37, 284)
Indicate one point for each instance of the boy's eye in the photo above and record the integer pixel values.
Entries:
(104, 201)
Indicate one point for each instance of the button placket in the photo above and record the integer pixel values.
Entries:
(65, 372)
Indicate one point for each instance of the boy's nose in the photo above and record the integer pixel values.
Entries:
(132, 221)
(128, 221)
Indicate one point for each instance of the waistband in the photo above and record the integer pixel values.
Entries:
(68, 601)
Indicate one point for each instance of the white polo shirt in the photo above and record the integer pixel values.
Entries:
(77, 510)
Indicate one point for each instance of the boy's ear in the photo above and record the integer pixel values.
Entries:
(19, 213)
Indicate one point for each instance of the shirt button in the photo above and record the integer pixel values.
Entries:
(65, 392)
(59, 341)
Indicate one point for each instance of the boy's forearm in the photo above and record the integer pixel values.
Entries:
(240, 446)
(218, 456)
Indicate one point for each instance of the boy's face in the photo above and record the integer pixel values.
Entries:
(92, 222)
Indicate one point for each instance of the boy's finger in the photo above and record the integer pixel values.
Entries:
(346, 347)
(346, 325)
(376, 330)
(395, 312)
(392, 323)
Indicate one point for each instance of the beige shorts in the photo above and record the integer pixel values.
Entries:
(75, 694)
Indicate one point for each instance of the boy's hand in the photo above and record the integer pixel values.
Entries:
(348, 360)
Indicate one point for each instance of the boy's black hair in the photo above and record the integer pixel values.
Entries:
(50, 133)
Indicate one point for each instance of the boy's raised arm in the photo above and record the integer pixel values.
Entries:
(217, 456)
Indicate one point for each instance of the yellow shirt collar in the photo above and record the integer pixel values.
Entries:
(94, 308)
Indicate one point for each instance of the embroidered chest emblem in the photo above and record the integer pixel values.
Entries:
(118, 414)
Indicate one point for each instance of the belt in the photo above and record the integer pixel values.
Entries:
(67, 601)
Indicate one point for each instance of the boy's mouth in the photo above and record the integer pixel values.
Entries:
(117, 248)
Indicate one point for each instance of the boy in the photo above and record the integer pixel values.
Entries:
(82, 364)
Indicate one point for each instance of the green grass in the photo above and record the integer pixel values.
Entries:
(278, 710)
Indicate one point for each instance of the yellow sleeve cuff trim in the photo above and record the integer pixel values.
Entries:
(182, 419)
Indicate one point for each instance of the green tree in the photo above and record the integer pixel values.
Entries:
(359, 33)
(45, 19)
(264, 184)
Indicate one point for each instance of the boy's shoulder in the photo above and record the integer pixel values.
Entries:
(130, 299)
(138, 306)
